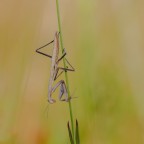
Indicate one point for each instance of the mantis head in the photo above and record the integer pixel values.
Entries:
(51, 101)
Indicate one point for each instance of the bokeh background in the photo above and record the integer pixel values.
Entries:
(104, 41)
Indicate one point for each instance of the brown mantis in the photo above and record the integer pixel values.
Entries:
(54, 70)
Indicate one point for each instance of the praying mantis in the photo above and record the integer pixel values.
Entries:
(54, 70)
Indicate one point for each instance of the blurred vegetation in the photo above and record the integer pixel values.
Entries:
(104, 41)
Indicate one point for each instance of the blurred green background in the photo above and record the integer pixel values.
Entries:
(104, 41)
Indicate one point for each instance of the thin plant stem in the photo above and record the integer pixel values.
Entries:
(64, 62)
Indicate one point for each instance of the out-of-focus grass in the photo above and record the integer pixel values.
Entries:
(104, 41)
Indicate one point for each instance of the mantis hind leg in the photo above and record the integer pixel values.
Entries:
(40, 52)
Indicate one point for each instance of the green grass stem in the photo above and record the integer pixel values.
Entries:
(64, 62)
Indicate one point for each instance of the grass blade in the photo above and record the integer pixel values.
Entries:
(70, 134)
(77, 134)
(64, 62)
